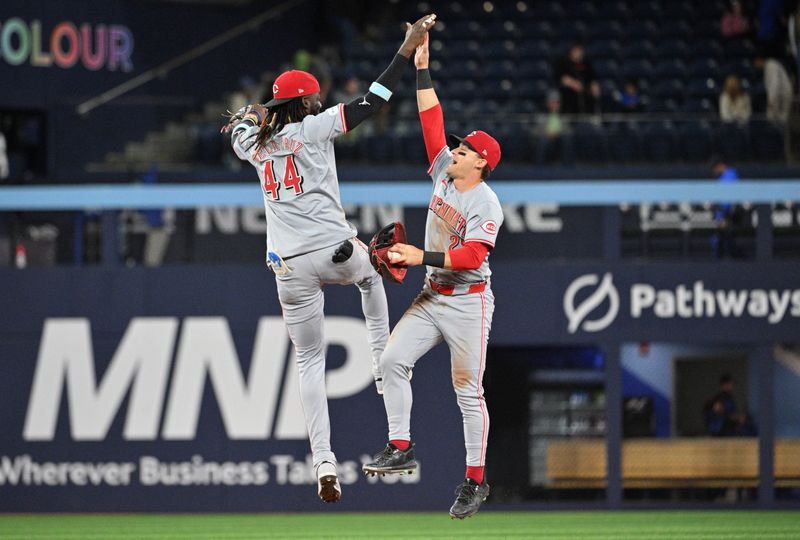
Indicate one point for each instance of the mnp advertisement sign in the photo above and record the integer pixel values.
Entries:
(175, 389)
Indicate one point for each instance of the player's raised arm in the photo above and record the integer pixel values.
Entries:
(430, 112)
(381, 90)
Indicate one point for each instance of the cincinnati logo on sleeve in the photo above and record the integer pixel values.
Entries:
(489, 226)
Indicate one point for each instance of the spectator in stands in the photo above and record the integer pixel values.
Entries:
(3, 158)
(553, 139)
(734, 23)
(779, 89)
(630, 100)
(577, 82)
(728, 216)
(734, 102)
(722, 416)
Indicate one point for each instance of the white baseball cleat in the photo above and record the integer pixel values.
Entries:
(328, 487)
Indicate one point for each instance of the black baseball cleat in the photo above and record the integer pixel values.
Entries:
(392, 460)
(469, 496)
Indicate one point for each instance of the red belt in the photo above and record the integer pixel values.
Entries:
(448, 290)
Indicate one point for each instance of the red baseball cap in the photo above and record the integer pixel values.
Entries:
(292, 84)
(482, 143)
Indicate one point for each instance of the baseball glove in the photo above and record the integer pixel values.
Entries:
(254, 112)
(379, 251)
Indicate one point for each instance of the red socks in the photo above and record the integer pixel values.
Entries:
(400, 444)
(476, 473)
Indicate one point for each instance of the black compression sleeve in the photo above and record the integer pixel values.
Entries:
(424, 79)
(433, 258)
(362, 108)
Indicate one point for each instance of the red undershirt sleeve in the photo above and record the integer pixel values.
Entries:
(469, 257)
(433, 131)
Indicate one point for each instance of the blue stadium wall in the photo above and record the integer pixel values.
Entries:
(174, 389)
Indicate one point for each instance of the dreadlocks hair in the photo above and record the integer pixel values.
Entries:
(277, 117)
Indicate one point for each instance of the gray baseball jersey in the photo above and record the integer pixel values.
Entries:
(306, 224)
(455, 218)
(297, 171)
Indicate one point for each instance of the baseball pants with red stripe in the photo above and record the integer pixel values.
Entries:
(463, 322)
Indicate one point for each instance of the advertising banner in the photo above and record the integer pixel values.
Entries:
(175, 389)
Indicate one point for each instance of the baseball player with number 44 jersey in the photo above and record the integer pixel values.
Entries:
(309, 242)
(456, 303)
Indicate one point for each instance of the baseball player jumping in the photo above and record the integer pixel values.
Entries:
(309, 241)
(456, 303)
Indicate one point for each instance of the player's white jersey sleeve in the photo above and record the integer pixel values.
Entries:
(484, 222)
(440, 163)
(326, 125)
(243, 140)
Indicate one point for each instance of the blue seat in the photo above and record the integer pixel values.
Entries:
(739, 48)
(699, 105)
(497, 89)
(670, 69)
(589, 141)
(606, 48)
(539, 49)
(732, 141)
(624, 143)
(572, 30)
(664, 104)
(465, 89)
(741, 67)
(658, 142)
(531, 90)
(534, 69)
(679, 11)
(500, 69)
(501, 49)
(674, 48)
(640, 49)
(609, 29)
(696, 141)
(768, 143)
(703, 87)
(709, 48)
(646, 10)
(703, 68)
(638, 69)
(607, 69)
(538, 29)
(669, 88)
(643, 30)
(678, 28)
(712, 9)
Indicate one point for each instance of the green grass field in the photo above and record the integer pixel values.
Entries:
(666, 525)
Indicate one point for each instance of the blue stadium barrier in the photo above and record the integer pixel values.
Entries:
(573, 193)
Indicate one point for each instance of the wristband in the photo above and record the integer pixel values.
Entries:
(381, 91)
(433, 258)
(424, 79)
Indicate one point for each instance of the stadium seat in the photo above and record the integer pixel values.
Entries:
(731, 141)
(672, 49)
(702, 68)
(607, 68)
(641, 49)
(643, 29)
(703, 88)
(637, 69)
(670, 69)
(535, 50)
(624, 142)
(658, 142)
(696, 142)
(607, 29)
(534, 69)
(607, 48)
(708, 48)
(699, 105)
(767, 140)
(646, 10)
(589, 141)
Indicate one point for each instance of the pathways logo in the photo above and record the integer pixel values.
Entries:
(577, 315)
(695, 301)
